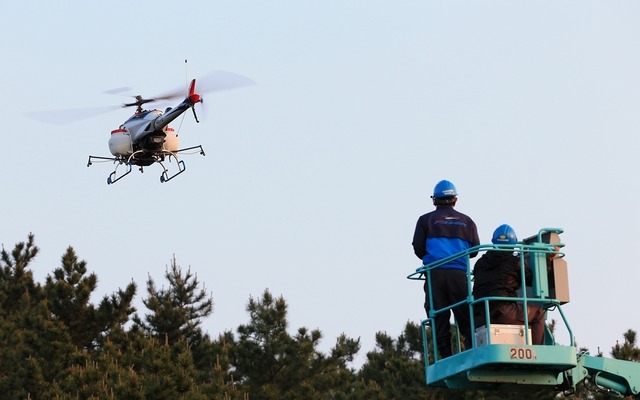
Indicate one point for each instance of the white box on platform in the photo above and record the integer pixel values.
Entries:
(501, 334)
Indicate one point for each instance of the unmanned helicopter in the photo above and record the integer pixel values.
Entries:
(146, 138)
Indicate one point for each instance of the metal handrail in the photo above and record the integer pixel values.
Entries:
(424, 273)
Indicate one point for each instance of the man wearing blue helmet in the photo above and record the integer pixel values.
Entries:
(439, 234)
(498, 274)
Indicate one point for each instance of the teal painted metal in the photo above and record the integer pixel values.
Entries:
(620, 376)
(492, 366)
(515, 366)
(498, 366)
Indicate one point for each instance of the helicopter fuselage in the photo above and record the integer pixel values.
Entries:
(135, 136)
(146, 136)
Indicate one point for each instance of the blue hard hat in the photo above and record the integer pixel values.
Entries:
(504, 234)
(443, 189)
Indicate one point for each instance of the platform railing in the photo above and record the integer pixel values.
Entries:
(532, 256)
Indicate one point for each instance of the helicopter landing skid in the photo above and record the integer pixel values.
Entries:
(119, 160)
(165, 173)
(112, 176)
(181, 167)
(144, 158)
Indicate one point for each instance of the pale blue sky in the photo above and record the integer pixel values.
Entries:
(314, 178)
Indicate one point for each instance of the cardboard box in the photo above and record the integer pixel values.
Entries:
(502, 334)
(559, 281)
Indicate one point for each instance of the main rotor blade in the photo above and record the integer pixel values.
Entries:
(118, 90)
(212, 82)
(67, 116)
(221, 80)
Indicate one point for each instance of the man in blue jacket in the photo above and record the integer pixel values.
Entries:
(439, 234)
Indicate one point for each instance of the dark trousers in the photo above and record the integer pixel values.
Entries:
(449, 286)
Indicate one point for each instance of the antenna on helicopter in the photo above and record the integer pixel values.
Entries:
(186, 73)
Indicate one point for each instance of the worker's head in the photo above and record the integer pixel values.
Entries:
(444, 194)
(504, 234)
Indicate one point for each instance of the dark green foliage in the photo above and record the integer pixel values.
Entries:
(269, 363)
(34, 351)
(138, 369)
(68, 293)
(55, 344)
(397, 365)
(16, 280)
(34, 347)
(628, 350)
(176, 312)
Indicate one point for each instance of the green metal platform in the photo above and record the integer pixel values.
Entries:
(522, 365)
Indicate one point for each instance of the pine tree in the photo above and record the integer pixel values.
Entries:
(176, 312)
(15, 278)
(397, 366)
(269, 363)
(35, 349)
(217, 378)
(68, 292)
(628, 350)
(135, 368)
(175, 318)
